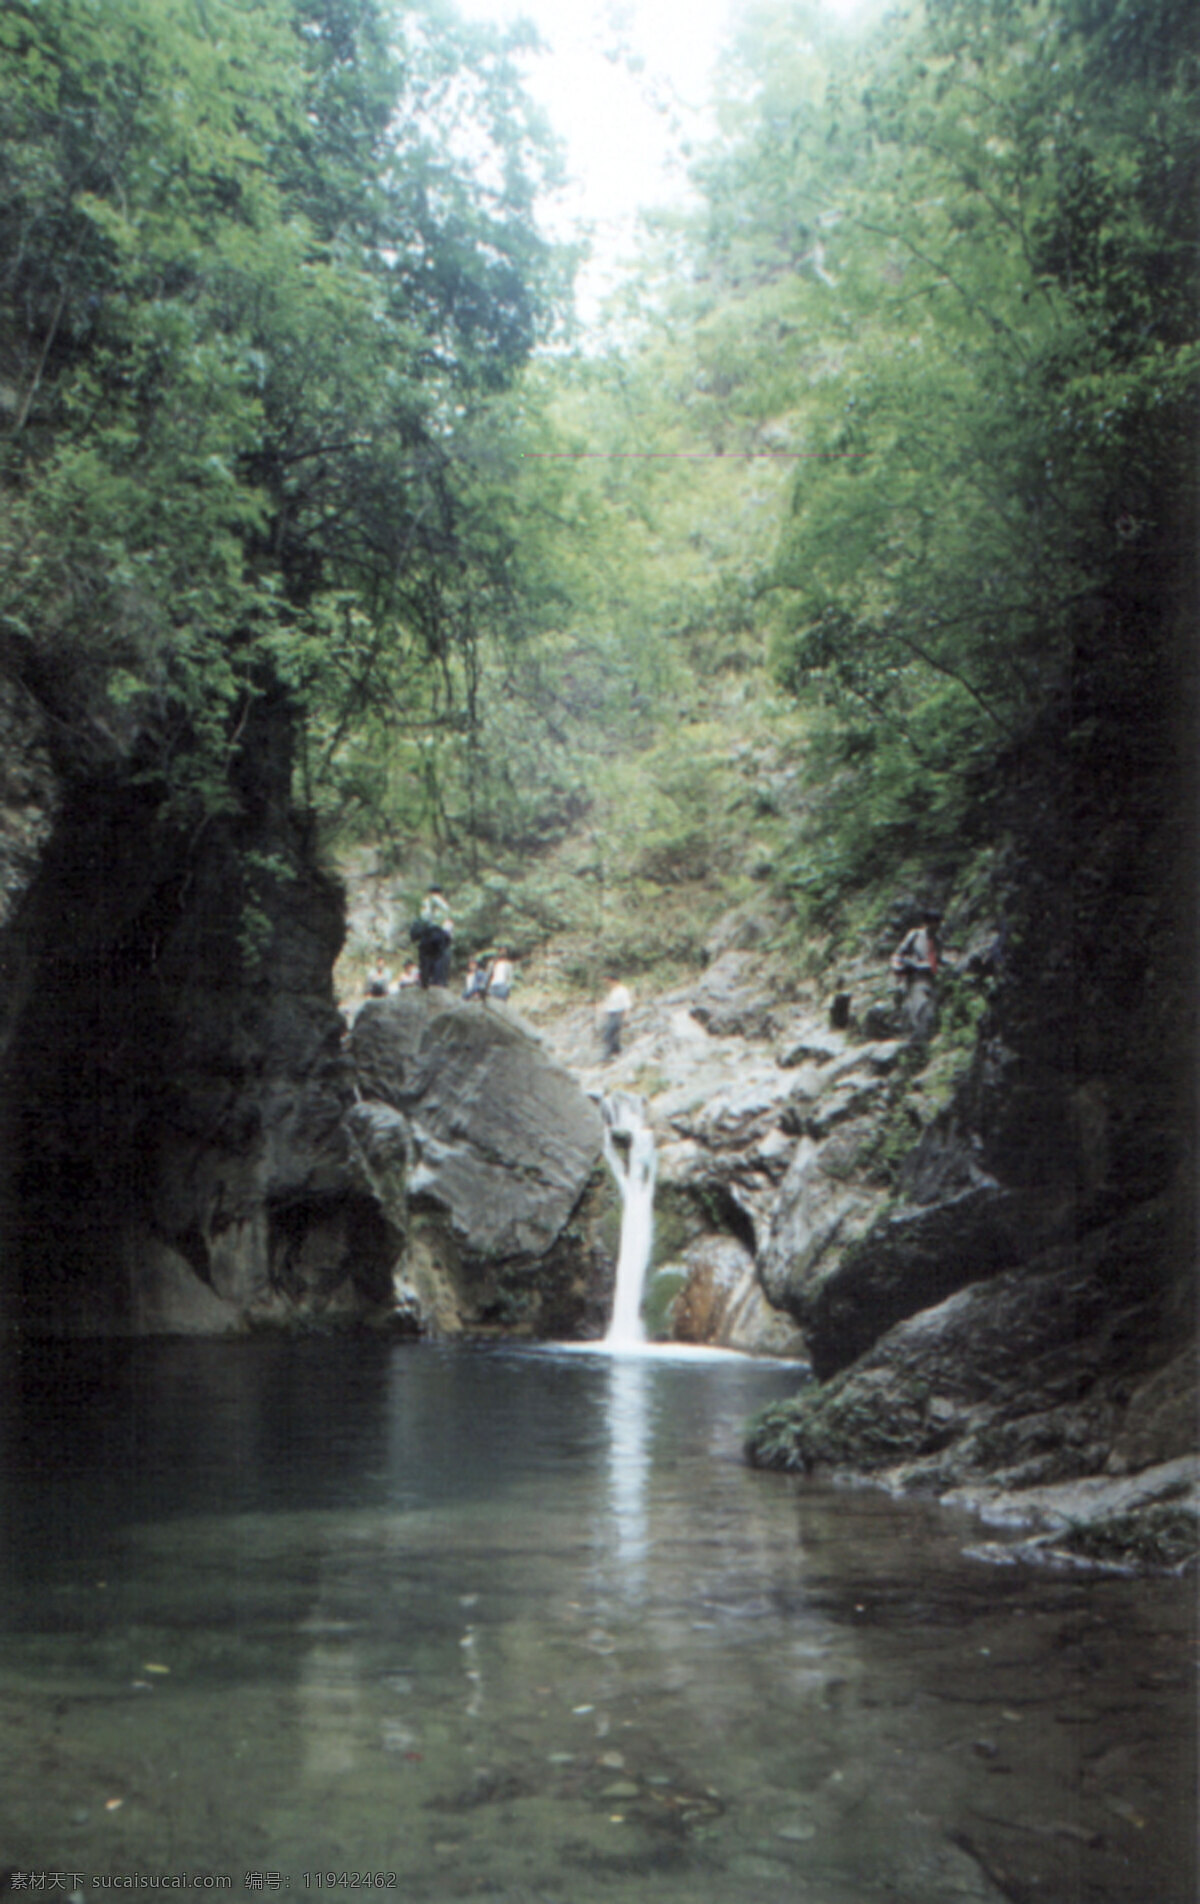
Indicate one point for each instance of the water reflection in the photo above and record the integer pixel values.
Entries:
(524, 1621)
(629, 1383)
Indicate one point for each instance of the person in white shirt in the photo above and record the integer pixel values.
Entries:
(500, 978)
(612, 1016)
(434, 934)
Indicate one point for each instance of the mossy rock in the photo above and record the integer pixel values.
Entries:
(1163, 1534)
(833, 1425)
(679, 1219)
(661, 1291)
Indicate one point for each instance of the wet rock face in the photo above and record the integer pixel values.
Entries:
(175, 1086)
(1025, 1378)
(721, 1301)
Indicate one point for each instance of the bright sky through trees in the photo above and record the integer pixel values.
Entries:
(627, 86)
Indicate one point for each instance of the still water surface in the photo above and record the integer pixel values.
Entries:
(490, 1623)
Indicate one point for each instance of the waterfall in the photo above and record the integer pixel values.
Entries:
(629, 1148)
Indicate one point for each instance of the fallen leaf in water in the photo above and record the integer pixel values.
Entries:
(152, 1666)
(113, 1804)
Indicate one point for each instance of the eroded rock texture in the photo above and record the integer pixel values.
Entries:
(504, 1193)
(174, 1080)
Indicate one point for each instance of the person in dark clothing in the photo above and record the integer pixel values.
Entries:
(433, 935)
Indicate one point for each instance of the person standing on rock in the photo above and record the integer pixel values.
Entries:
(434, 933)
(612, 1016)
(915, 961)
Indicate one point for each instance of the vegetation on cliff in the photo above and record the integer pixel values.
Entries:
(887, 448)
(880, 491)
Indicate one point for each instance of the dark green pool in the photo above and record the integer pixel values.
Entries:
(473, 1623)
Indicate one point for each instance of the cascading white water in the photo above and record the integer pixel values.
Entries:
(629, 1148)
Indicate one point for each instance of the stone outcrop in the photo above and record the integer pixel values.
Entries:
(982, 1241)
(1026, 1378)
(720, 1300)
(173, 1074)
(186, 1147)
(502, 1198)
(1019, 1315)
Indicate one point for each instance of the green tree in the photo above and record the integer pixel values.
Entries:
(958, 271)
(266, 268)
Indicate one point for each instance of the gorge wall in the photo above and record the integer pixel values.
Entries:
(1022, 1309)
(173, 1079)
(986, 1245)
(191, 1144)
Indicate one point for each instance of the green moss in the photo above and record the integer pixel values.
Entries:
(661, 1292)
(838, 1424)
(677, 1223)
(772, 1437)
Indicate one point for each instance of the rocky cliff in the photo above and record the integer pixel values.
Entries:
(187, 1145)
(485, 1156)
(985, 1241)
(1019, 1311)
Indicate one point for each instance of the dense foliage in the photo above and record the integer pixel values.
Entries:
(959, 268)
(265, 269)
(890, 443)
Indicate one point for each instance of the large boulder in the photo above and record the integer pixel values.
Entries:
(1024, 1379)
(503, 1199)
(910, 1260)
